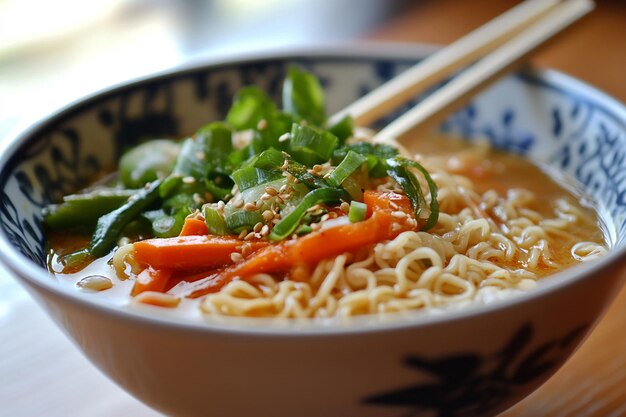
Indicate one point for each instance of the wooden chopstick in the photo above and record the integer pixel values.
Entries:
(445, 62)
(459, 90)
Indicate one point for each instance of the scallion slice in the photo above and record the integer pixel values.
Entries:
(215, 222)
(251, 177)
(357, 211)
(289, 223)
(350, 163)
(410, 185)
(316, 143)
(243, 219)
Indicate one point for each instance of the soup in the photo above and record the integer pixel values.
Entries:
(271, 215)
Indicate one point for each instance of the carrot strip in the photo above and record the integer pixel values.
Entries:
(151, 279)
(194, 227)
(189, 252)
(317, 246)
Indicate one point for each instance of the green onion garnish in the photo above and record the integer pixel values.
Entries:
(357, 211)
(350, 163)
(215, 222)
(289, 223)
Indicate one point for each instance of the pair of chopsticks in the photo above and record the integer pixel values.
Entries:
(503, 44)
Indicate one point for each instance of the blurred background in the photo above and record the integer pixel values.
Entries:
(53, 52)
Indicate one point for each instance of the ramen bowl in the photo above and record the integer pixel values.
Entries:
(472, 361)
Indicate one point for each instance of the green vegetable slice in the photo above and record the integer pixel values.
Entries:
(343, 129)
(289, 223)
(251, 177)
(243, 220)
(398, 170)
(147, 162)
(110, 226)
(357, 211)
(350, 164)
(275, 160)
(215, 222)
(303, 96)
(311, 145)
(84, 209)
(250, 105)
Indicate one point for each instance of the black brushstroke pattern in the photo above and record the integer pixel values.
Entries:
(469, 384)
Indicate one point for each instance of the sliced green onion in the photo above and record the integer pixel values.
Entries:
(357, 211)
(215, 222)
(250, 105)
(343, 129)
(218, 146)
(243, 219)
(350, 163)
(84, 209)
(304, 229)
(397, 169)
(251, 177)
(303, 96)
(274, 160)
(289, 223)
(168, 226)
(312, 142)
(147, 162)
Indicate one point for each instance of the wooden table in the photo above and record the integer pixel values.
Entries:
(593, 382)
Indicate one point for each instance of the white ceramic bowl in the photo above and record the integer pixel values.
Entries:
(474, 361)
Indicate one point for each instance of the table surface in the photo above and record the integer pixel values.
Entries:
(590, 384)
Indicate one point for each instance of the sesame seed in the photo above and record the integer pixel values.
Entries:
(395, 227)
(265, 197)
(262, 124)
(243, 234)
(257, 227)
(315, 226)
(249, 236)
(312, 209)
(268, 215)
(345, 207)
(236, 257)
(398, 214)
(275, 221)
(95, 283)
(238, 203)
(279, 200)
(221, 205)
(283, 188)
(189, 180)
(325, 217)
(271, 191)
(393, 205)
(250, 207)
(284, 137)
(326, 176)
(258, 235)
(317, 168)
(258, 204)
(265, 230)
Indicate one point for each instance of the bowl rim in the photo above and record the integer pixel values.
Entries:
(36, 276)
